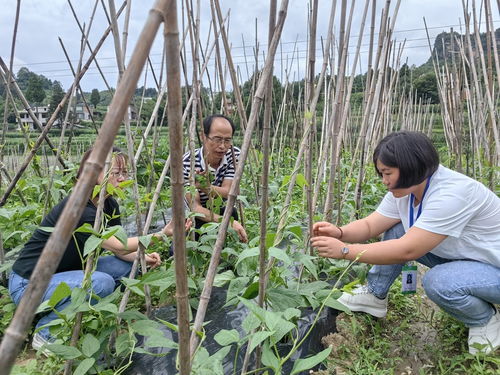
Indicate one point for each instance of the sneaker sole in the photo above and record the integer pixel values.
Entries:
(378, 313)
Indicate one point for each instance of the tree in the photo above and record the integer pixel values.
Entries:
(95, 98)
(426, 87)
(35, 92)
(55, 99)
(24, 75)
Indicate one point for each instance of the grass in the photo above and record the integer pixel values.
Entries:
(416, 337)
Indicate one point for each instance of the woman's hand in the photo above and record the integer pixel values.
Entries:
(324, 228)
(242, 234)
(328, 247)
(153, 260)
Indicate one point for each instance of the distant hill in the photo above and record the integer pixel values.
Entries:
(445, 45)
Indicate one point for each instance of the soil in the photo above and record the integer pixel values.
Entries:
(413, 356)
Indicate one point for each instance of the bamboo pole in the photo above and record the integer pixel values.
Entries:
(214, 261)
(125, 30)
(309, 119)
(3, 277)
(120, 59)
(264, 188)
(177, 182)
(89, 265)
(75, 74)
(8, 179)
(16, 111)
(75, 16)
(51, 121)
(54, 249)
(63, 125)
(7, 89)
(306, 130)
(492, 119)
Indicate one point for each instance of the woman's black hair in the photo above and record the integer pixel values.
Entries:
(86, 155)
(207, 122)
(411, 152)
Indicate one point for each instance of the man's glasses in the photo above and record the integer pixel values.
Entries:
(220, 140)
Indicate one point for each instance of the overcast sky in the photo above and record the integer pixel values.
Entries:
(42, 22)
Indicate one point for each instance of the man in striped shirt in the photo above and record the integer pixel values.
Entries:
(214, 163)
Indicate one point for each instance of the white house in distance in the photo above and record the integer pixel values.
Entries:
(42, 113)
(82, 112)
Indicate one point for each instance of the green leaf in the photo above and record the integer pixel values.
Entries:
(119, 232)
(258, 311)
(296, 230)
(252, 291)
(124, 344)
(62, 291)
(84, 366)
(130, 315)
(144, 351)
(250, 323)
(90, 345)
(334, 304)
(235, 287)
(291, 313)
(96, 191)
(281, 255)
(269, 359)
(169, 325)
(86, 228)
(258, 337)
(283, 298)
(286, 180)
(146, 240)
(159, 341)
(227, 337)
(92, 243)
(145, 327)
(109, 307)
(43, 307)
(270, 239)
(64, 351)
(47, 229)
(12, 235)
(155, 275)
(308, 363)
(306, 260)
(308, 289)
(6, 214)
(252, 252)
(223, 277)
(301, 180)
(221, 354)
(278, 325)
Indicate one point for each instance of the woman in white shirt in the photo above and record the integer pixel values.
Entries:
(438, 217)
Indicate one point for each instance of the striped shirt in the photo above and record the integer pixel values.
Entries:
(225, 171)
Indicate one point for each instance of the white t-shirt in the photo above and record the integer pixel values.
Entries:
(456, 206)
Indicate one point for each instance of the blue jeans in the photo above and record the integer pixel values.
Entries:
(465, 289)
(105, 279)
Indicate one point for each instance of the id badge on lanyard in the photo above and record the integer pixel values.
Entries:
(409, 274)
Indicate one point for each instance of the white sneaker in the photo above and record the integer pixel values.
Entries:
(39, 343)
(362, 300)
(487, 338)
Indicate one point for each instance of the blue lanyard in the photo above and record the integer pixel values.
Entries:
(412, 199)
